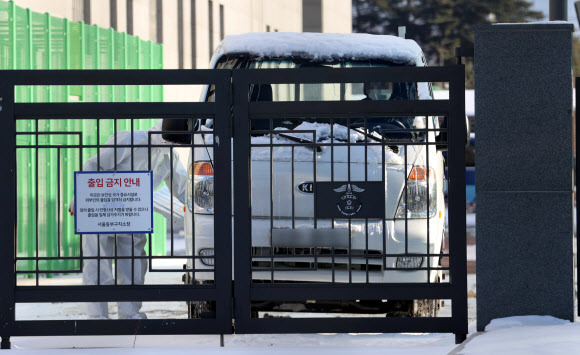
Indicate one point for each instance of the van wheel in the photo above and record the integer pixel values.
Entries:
(425, 308)
(201, 309)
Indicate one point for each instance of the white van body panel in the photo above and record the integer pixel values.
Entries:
(284, 183)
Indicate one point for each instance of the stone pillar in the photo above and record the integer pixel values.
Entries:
(524, 232)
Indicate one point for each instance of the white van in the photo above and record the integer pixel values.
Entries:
(405, 226)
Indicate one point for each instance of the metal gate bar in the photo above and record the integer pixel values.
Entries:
(116, 109)
(220, 292)
(576, 145)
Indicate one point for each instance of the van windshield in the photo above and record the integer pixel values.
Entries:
(326, 92)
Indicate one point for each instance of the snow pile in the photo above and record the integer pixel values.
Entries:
(323, 132)
(523, 321)
(419, 122)
(244, 344)
(526, 335)
(323, 135)
(322, 47)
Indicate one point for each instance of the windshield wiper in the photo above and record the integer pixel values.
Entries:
(300, 140)
(366, 134)
(393, 148)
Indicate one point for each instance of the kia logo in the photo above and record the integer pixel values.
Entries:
(306, 187)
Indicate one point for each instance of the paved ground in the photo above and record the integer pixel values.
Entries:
(307, 344)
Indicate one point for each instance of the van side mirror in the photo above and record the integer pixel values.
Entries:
(176, 125)
(442, 137)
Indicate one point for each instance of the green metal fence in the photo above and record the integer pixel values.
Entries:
(30, 40)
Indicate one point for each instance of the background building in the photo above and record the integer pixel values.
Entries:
(190, 30)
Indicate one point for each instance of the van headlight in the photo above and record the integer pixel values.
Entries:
(202, 182)
(416, 206)
(210, 254)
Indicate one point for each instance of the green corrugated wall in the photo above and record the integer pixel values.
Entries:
(30, 40)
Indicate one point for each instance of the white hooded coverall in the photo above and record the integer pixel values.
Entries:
(161, 165)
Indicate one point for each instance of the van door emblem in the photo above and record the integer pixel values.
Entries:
(306, 187)
(349, 204)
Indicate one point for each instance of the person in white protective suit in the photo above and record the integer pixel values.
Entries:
(161, 165)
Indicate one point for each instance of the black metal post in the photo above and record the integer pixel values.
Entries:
(576, 183)
(456, 169)
(460, 338)
(8, 218)
(558, 10)
(242, 201)
(223, 204)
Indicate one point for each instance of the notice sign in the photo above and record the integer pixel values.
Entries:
(113, 202)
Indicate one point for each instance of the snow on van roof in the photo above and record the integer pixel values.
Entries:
(322, 47)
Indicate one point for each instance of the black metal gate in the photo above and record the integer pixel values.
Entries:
(575, 172)
(324, 201)
(311, 227)
(21, 290)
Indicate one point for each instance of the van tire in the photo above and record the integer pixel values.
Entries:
(201, 309)
(425, 308)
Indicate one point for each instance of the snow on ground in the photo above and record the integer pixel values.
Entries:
(319, 344)
(521, 321)
(513, 335)
(526, 335)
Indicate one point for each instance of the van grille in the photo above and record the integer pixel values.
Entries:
(321, 258)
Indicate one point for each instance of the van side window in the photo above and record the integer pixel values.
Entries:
(225, 63)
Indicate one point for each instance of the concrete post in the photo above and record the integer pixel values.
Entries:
(524, 232)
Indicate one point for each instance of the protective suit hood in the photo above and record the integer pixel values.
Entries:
(157, 138)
